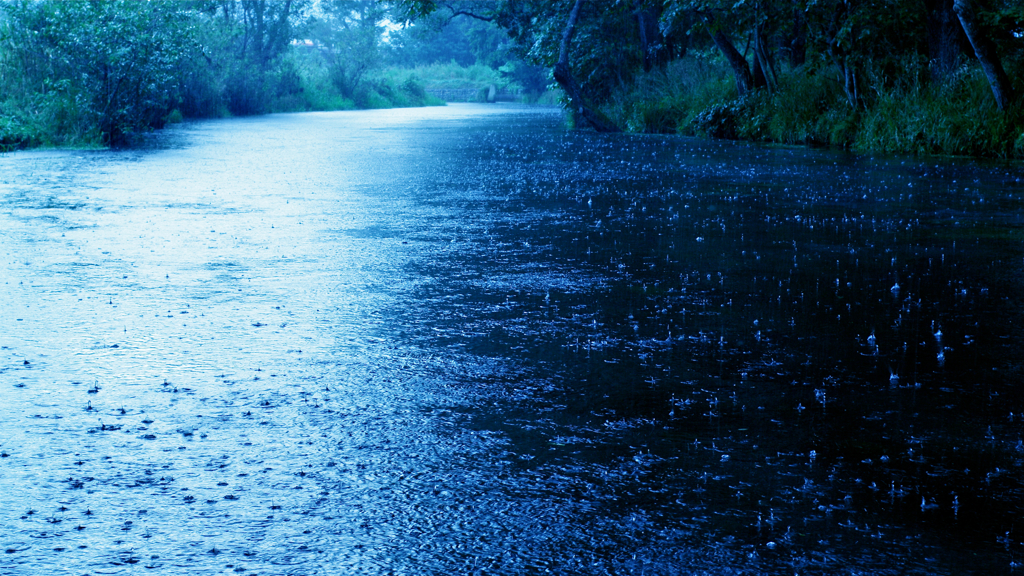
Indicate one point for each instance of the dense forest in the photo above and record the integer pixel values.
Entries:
(100, 72)
(918, 76)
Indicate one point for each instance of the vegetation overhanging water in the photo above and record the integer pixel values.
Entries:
(929, 78)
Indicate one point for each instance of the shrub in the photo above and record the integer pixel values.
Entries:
(669, 100)
(695, 96)
(717, 121)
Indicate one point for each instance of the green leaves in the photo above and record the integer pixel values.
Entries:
(105, 63)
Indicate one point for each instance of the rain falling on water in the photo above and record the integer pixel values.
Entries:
(464, 340)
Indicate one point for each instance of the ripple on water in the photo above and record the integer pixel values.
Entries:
(424, 341)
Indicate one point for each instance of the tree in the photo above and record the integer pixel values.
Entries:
(944, 34)
(266, 29)
(721, 20)
(576, 40)
(738, 63)
(440, 39)
(659, 44)
(873, 45)
(564, 76)
(104, 64)
(985, 51)
(347, 35)
(259, 32)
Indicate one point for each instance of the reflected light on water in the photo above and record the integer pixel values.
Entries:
(464, 340)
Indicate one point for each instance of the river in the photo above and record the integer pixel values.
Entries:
(463, 340)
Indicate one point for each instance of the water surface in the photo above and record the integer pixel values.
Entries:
(463, 340)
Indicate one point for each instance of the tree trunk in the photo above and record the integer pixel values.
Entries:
(841, 55)
(563, 75)
(848, 76)
(653, 46)
(944, 38)
(645, 45)
(260, 34)
(763, 61)
(740, 69)
(757, 73)
(985, 50)
(798, 43)
(850, 84)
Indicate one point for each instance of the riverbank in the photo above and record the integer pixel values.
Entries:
(57, 124)
(61, 123)
(98, 74)
(693, 96)
(697, 97)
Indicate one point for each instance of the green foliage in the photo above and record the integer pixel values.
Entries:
(346, 35)
(94, 71)
(718, 121)
(693, 96)
(859, 75)
(462, 52)
(452, 76)
(808, 108)
(671, 99)
(958, 119)
(438, 40)
(395, 88)
(14, 134)
(531, 79)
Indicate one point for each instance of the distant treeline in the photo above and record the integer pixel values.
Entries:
(97, 72)
(908, 76)
(918, 76)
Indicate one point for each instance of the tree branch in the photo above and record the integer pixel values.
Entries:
(467, 13)
(985, 50)
(563, 75)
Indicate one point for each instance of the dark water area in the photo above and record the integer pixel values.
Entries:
(464, 340)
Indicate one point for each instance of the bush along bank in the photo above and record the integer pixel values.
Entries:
(99, 73)
(697, 97)
(936, 77)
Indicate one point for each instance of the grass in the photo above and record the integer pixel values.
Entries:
(957, 119)
(477, 79)
(47, 120)
(386, 88)
(667, 101)
(696, 96)
(451, 76)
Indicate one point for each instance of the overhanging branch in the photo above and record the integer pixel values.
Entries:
(563, 75)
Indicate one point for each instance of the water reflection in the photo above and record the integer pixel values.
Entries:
(464, 340)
